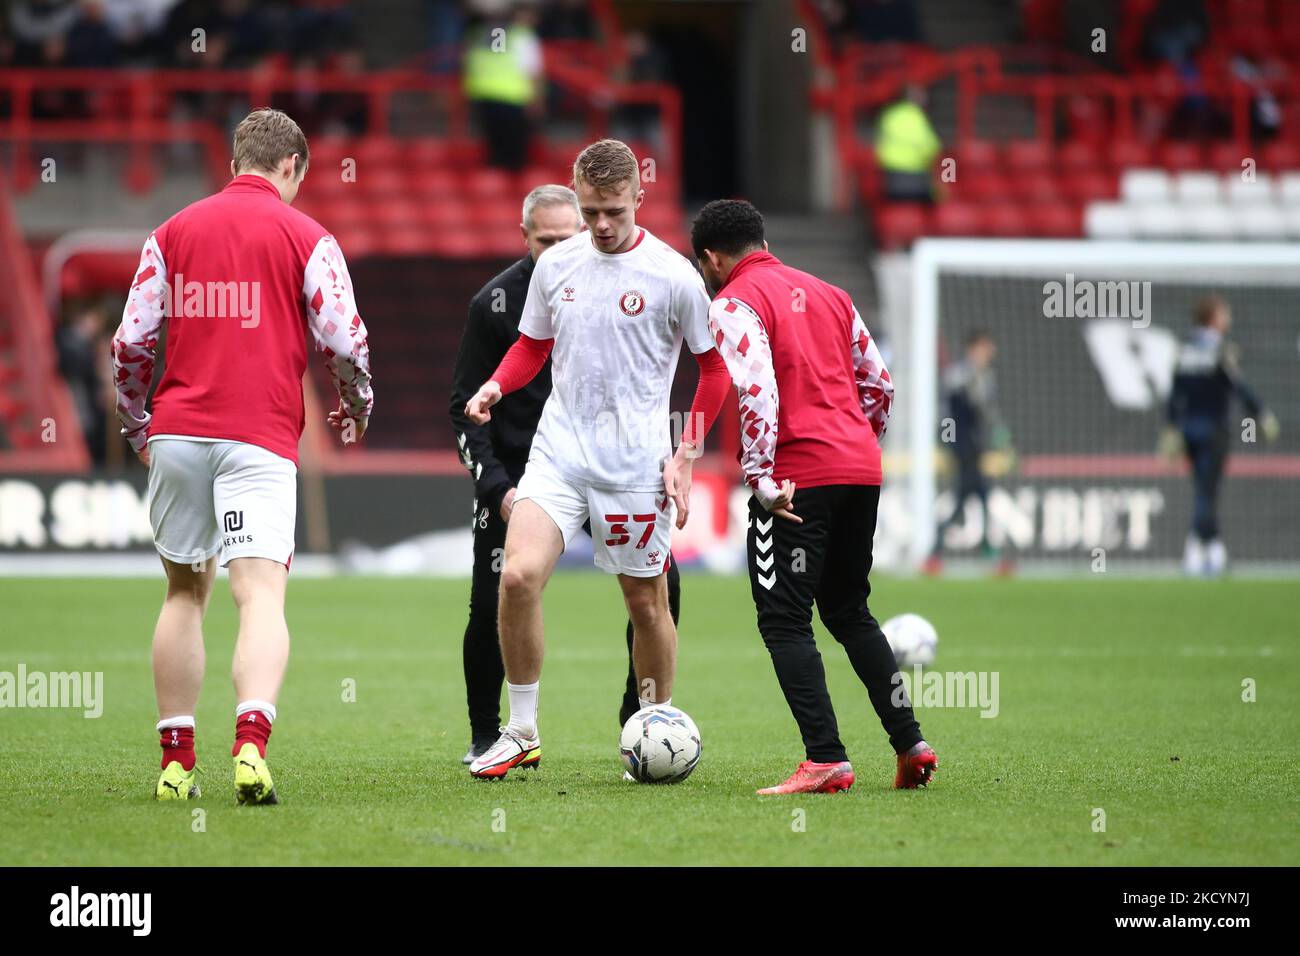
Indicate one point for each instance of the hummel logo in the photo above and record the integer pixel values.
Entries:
(568, 294)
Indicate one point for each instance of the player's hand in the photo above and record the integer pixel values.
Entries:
(677, 480)
(476, 409)
(1269, 426)
(143, 455)
(507, 505)
(782, 503)
(350, 429)
(1170, 445)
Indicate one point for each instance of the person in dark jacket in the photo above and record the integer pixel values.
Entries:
(1205, 380)
(495, 455)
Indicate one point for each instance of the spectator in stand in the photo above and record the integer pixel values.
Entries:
(906, 148)
(502, 74)
(83, 353)
(567, 20)
(886, 21)
(40, 29)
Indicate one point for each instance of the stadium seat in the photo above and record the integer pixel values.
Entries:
(1177, 155)
(1160, 221)
(1078, 155)
(900, 224)
(1108, 220)
(1004, 220)
(1126, 153)
(1260, 222)
(979, 185)
(1291, 221)
(1089, 185)
(1288, 189)
(1208, 221)
(1144, 186)
(1280, 157)
(977, 154)
(1023, 155)
(1055, 220)
(1226, 158)
(1196, 187)
(958, 219)
(1242, 193)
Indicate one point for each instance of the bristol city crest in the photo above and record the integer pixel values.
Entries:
(632, 303)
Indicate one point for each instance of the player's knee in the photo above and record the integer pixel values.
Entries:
(647, 608)
(185, 585)
(520, 581)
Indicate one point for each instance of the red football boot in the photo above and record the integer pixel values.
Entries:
(916, 767)
(815, 778)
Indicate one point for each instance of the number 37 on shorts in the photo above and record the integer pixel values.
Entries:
(636, 540)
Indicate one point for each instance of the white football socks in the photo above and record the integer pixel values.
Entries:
(523, 709)
(646, 702)
(265, 706)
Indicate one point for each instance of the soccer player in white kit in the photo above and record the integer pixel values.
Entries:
(611, 306)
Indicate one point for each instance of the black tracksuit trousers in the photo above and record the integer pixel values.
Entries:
(484, 671)
(825, 560)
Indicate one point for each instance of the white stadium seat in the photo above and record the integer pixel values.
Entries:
(1260, 222)
(1108, 220)
(1291, 220)
(1208, 221)
(1144, 185)
(1288, 189)
(1160, 221)
(1194, 187)
(1241, 193)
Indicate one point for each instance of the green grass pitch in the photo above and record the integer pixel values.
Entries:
(1123, 696)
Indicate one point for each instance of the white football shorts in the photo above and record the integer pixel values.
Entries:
(631, 531)
(220, 497)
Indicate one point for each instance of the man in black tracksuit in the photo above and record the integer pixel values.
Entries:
(1205, 380)
(495, 455)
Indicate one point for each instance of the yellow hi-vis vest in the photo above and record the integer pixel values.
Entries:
(906, 142)
(495, 74)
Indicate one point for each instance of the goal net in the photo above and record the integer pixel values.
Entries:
(1087, 335)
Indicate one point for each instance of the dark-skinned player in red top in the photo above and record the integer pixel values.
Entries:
(815, 399)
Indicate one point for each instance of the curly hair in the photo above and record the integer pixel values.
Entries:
(728, 226)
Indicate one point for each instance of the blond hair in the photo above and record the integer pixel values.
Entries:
(266, 136)
(607, 165)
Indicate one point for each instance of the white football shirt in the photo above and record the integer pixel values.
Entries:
(618, 321)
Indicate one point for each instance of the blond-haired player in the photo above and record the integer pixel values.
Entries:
(611, 307)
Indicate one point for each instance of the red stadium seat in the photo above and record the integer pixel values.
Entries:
(1227, 157)
(1078, 154)
(1055, 220)
(977, 154)
(1089, 185)
(1178, 156)
(900, 224)
(1029, 154)
(1129, 152)
(958, 219)
(1280, 157)
(978, 185)
(1004, 220)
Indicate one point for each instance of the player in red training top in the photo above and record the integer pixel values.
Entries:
(616, 303)
(815, 399)
(237, 281)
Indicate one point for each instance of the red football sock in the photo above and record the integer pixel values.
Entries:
(177, 744)
(253, 727)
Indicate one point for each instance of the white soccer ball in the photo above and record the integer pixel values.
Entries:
(659, 744)
(912, 638)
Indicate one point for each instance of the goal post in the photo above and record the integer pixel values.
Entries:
(1087, 333)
